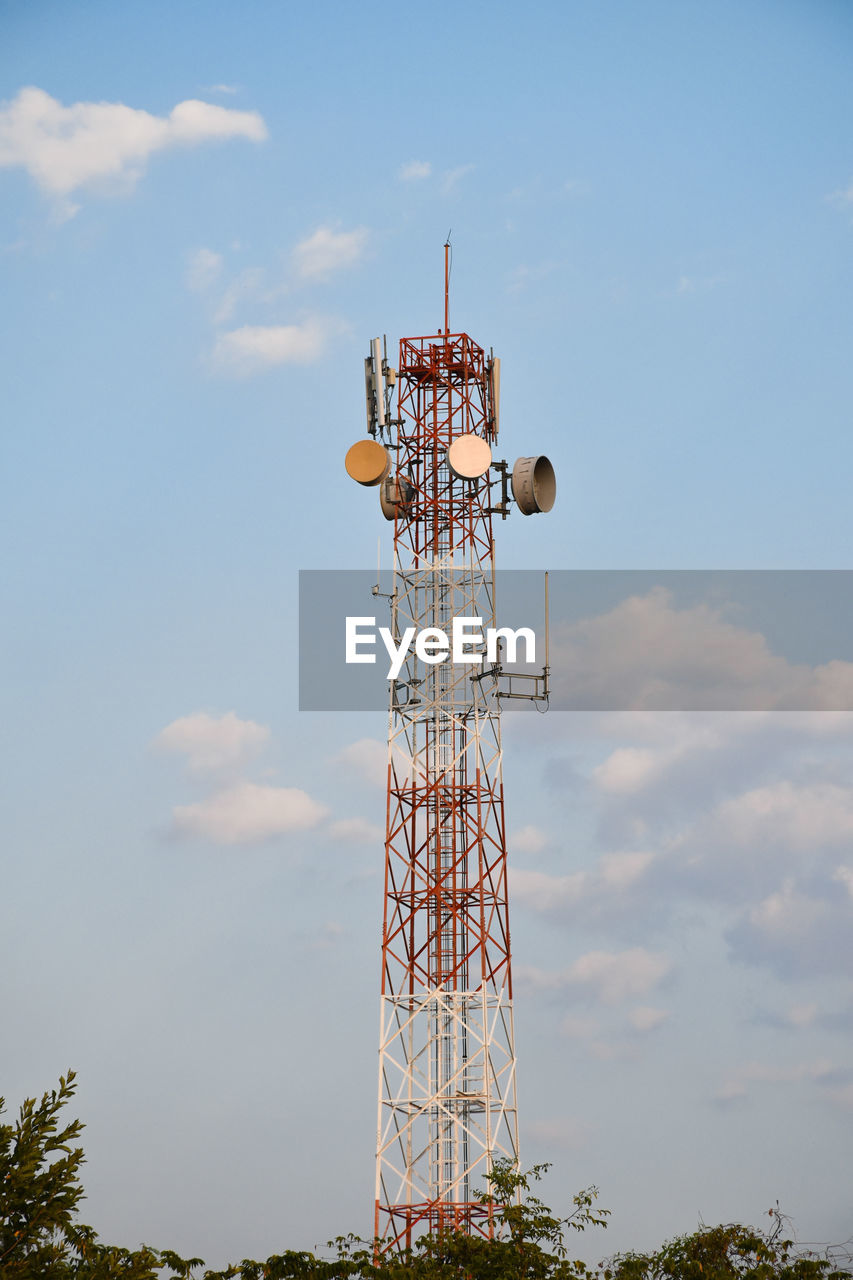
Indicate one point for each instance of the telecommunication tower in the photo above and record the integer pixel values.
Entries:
(447, 1070)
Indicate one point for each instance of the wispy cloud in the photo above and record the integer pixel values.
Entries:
(249, 285)
(738, 1083)
(644, 1018)
(580, 1027)
(254, 348)
(415, 171)
(529, 839)
(554, 895)
(700, 284)
(211, 743)
(617, 976)
(647, 653)
(203, 269)
(524, 275)
(236, 811)
(327, 251)
(612, 977)
(368, 757)
(844, 875)
(105, 143)
(356, 831)
(771, 852)
(801, 1015)
(248, 813)
(785, 814)
(452, 177)
(843, 197)
(561, 1133)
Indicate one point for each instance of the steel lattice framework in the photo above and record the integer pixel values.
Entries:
(447, 1078)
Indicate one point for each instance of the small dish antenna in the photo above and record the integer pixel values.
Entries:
(395, 496)
(534, 485)
(368, 462)
(469, 457)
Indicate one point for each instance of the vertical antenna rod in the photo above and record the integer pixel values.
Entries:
(447, 284)
(547, 625)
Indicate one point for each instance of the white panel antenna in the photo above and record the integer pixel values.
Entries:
(378, 382)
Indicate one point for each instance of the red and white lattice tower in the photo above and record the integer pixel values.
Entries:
(447, 1071)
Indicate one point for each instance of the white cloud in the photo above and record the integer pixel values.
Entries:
(451, 177)
(799, 931)
(193, 121)
(699, 284)
(253, 348)
(327, 250)
(250, 284)
(628, 769)
(613, 1050)
(644, 1018)
(529, 839)
(543, 892)
(692, 794)
(845, 876)
(65, 148)
(248, 813)
(561, 1133)
(615, 873)
(579, 1028)
(524, 275)
(620, 870)
(203, 267)
(415, 170)
(786, 914)
(611, 977)
(751, 819)
(648, 654)
(528, 975)
(211, 743)
(844, 197)
(617, 976)
(799, 817)
(737, 1085)
(801, 1015)
(357, 831)
(367, 757)
(843, 1095)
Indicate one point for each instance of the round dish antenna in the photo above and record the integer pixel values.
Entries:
(469, 457)
(534, 485)
(395, 496)
(368, 462)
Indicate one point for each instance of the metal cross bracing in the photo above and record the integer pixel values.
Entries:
(447, 1079)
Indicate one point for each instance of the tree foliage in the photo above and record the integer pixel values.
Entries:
(39, 1186)
(530, 1240)
(41, 1238)
(732, 1252)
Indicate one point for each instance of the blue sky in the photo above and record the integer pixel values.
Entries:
(652, 218)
